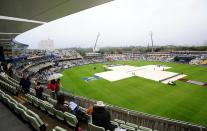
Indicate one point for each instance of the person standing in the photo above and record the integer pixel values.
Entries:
(58, 86)
(38, 90)
(25, 83)
(52, 86)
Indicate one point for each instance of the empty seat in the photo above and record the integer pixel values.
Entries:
(32, 92)
(31, 113)
(35, 124)
(57, 128)
(1, 91)
(1, 96)
(145, 128)
(52, 101)
(22, 106)
(23, 114)
(12, 104)
(50, 109)
(36, 101)
(128, 128)
(70, 119)
(132, 125)
(5, 98)
(16, 109)
(29, 98)
(42, 105)
(119, 121)
(93, 127)
(59, 115)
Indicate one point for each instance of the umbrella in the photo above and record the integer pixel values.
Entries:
(54, 76)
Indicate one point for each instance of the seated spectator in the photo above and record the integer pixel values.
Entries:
(101, 117)
(90, 110)
(73, 107)
(60, 103)
(82, 124)
(38, 90)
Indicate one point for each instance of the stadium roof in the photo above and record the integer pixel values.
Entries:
(18, 16)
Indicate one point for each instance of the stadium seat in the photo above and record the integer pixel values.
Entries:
(42, 105)
(8, 96)
(31, 113)
(35, 101)
(1, 96)
(128, 128)
(7, 100)
(35, 124)
(115, 123)
(16, 109)
(57, 128)
(45, 96)
(29, 98)
(70, 119)
(59, 115)
(23, 114)
(50, 109)
(132, 125)
(32, 92)
(22, 106)
(82, 109)
(4, 97)
(93, 127)
(52, 101)
(145, 128)
(11, 104)
(119, 121)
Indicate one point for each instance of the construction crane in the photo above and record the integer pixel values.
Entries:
(95, 49)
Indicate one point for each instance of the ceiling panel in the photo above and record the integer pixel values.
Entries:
(40, 10)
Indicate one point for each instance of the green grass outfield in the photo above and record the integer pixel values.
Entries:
(183, 102)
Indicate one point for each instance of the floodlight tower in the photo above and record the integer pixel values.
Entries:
(94, 48)
(151, 37)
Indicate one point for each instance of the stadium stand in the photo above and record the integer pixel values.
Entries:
(32, 109)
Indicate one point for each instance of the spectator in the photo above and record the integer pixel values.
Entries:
(52, 86)
(38, 90)
(60, 103)
(90, 110)
(101, 117)
(82, 124)
(25, 83)
(74, 108)
(58, 86)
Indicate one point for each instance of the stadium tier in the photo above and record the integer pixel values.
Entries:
(131, 116)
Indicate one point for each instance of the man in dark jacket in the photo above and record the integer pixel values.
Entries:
(101, 117)
(25, 84)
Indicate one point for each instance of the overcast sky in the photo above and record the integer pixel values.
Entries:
(126, 23)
